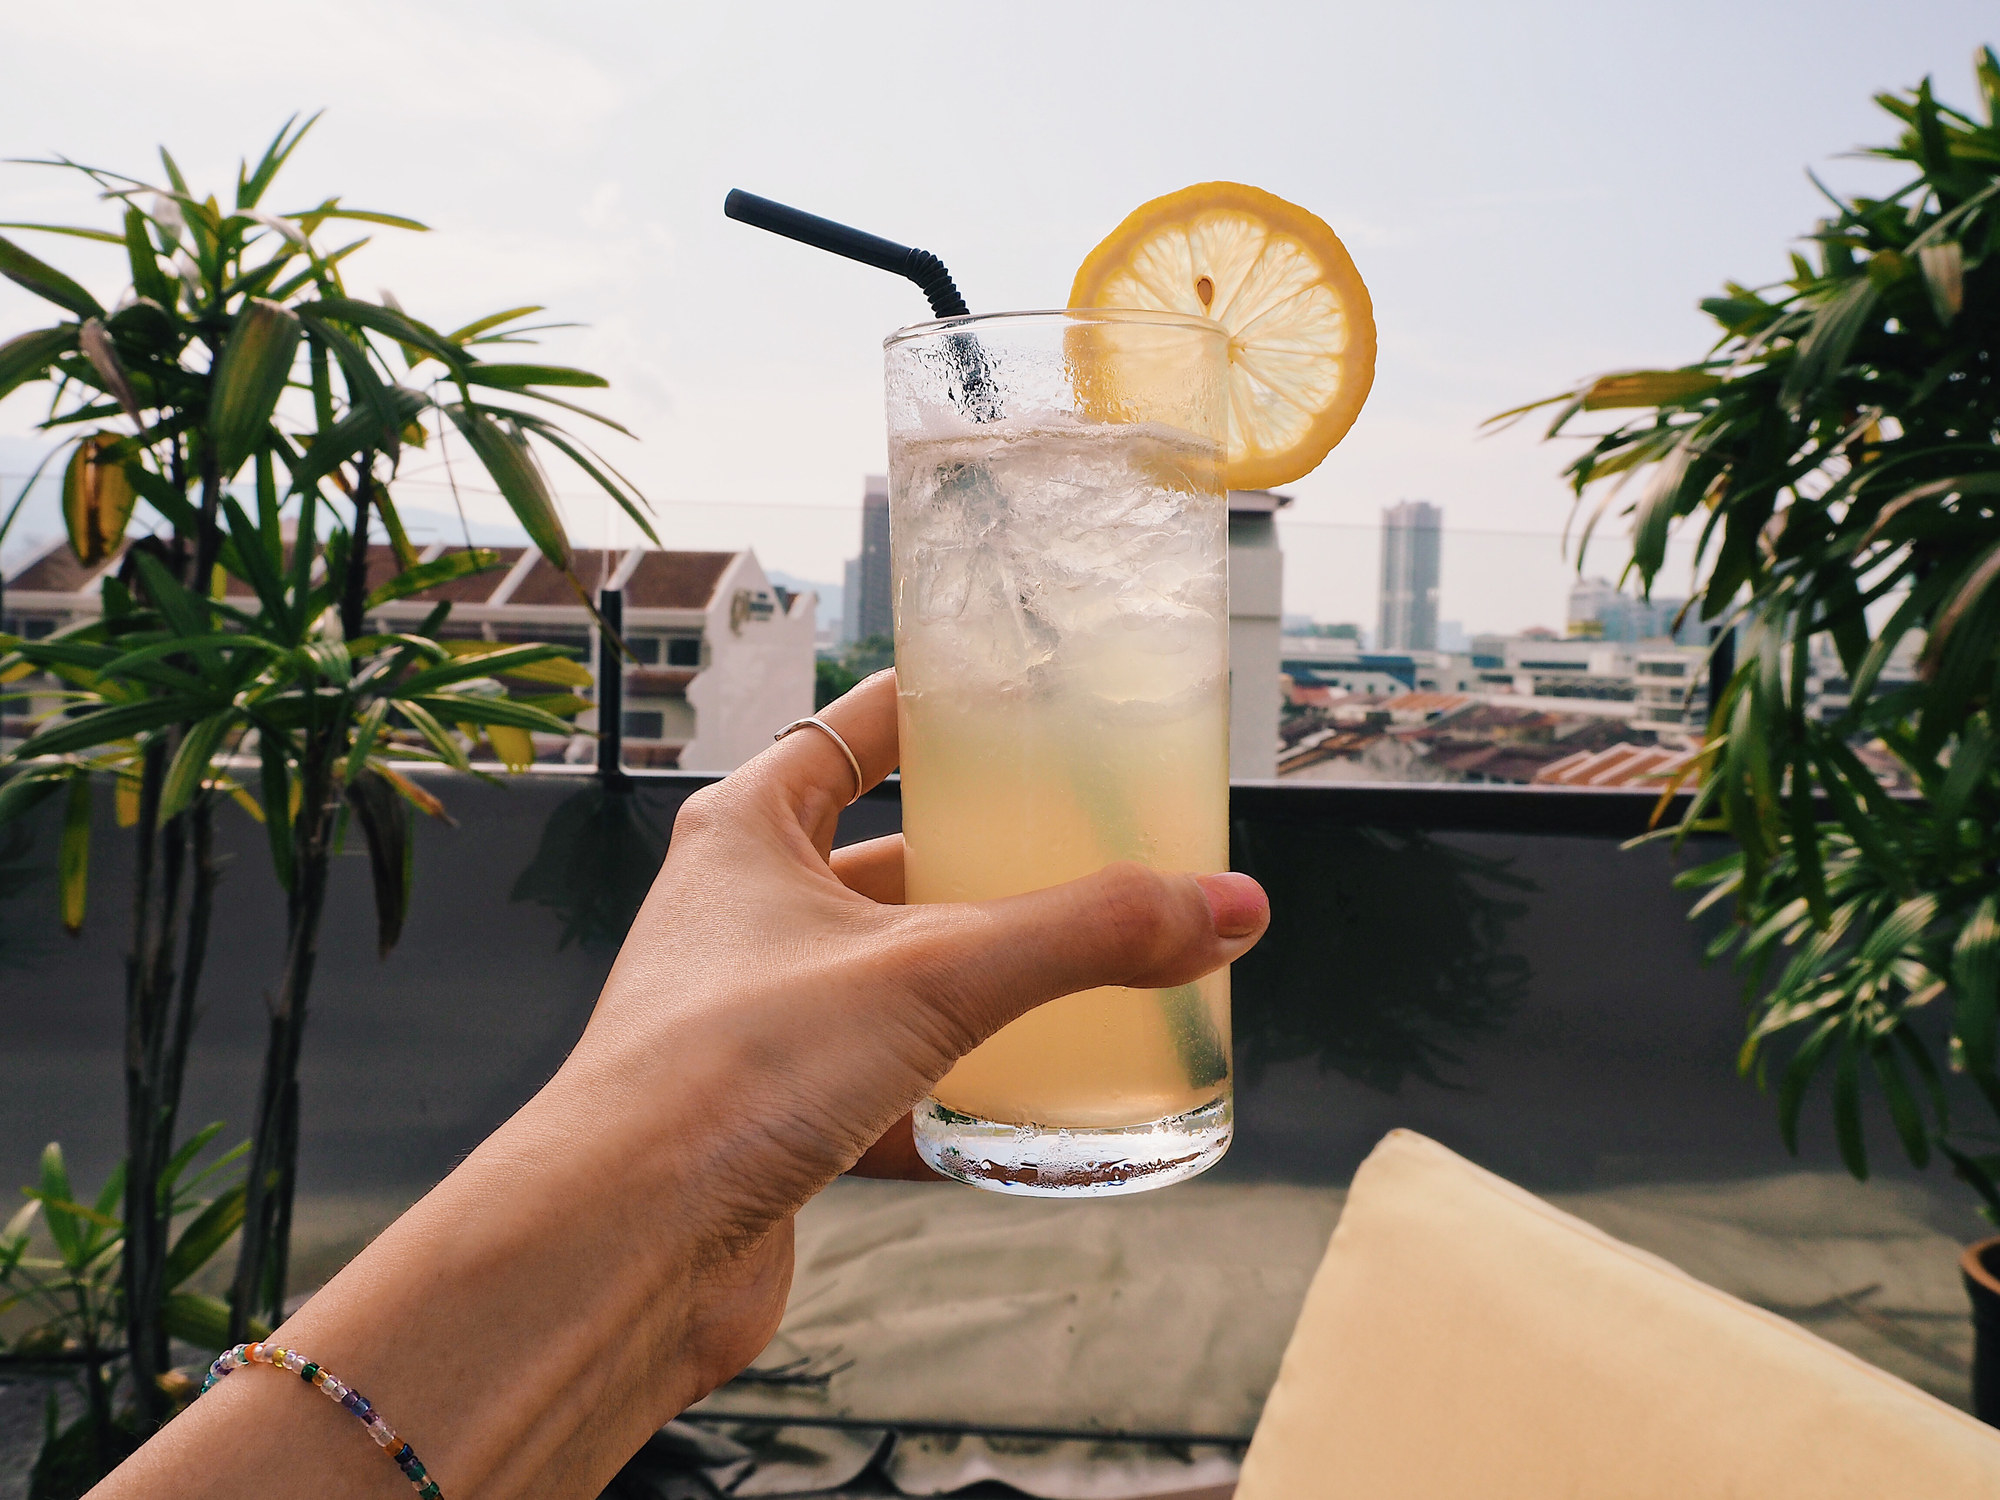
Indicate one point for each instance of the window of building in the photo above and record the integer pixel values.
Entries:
(684, 651)
(1663, 669)
(645, 724)
(645, 649)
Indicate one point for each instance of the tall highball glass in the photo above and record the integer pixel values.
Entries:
(1059, 542)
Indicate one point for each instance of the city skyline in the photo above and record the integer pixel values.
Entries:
(752, 368)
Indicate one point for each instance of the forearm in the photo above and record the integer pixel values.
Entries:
(524, 1328)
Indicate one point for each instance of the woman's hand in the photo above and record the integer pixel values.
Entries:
(624, 1243)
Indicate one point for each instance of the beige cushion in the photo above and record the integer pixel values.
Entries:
(1465, 1341)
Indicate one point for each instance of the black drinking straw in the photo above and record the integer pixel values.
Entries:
(922, 267)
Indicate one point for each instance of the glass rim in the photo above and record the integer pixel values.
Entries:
(1160, 317)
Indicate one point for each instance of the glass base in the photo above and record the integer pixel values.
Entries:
(1052, 1161)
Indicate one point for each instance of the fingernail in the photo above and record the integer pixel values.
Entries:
(1236, 903)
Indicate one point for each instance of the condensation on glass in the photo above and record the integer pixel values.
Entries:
(1059, 540)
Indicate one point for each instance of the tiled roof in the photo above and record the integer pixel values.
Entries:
(676, 580)
(477, 588)
(1427, 704)
(592, 567)
(56, 571)
(1616, 765)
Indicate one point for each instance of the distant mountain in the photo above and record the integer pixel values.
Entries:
(829, 593)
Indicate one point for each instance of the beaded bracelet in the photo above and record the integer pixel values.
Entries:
(352, 1400)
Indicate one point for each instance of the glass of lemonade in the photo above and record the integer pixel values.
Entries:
(1059, 540)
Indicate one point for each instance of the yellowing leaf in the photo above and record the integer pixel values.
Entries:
(97, 499)
(126, 801)
(514, 747)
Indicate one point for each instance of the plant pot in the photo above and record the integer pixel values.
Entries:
(1980, 1266)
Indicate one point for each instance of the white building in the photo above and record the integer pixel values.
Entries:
(1672, 688)
(1256, 597)
(723, 657)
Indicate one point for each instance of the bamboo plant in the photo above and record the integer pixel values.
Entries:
(240, 397)
(61, 1271)
(1839, 452)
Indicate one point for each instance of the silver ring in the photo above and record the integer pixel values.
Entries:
(833, 734)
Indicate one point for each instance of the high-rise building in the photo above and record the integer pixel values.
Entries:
(850, 602)
(871, 612)
(1409, 614)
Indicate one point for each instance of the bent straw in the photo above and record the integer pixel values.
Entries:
(920, 266)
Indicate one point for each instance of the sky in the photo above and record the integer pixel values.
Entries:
(1535, 193)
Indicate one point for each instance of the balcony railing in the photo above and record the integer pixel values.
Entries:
(1486, 965)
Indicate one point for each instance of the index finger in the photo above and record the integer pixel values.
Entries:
(810, 774)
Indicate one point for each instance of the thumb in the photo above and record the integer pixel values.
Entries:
(984, 963)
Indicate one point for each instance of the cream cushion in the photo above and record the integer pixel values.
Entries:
(1463, 1340)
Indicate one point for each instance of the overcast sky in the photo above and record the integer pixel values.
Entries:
(1534, 192)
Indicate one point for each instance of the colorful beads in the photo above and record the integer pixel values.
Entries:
(345, 1395)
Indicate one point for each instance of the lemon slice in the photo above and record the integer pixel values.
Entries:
(1301, 326)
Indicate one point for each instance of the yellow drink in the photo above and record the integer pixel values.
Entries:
(1061, 599)
(1005, 797)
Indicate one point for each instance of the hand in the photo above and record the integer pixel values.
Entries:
(624, 1243)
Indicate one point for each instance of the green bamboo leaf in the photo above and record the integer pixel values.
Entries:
(1648, 388)
(1899, 930)
(394, 221)
(191, 764)
(148, 280)
(367, 730)
(251, 184)
(255, 366)
(393, 323)
(1904, 1111)
(29, 789)
(103, 726)
(385, 823)
(366, 390)
(255, 565)
(199, 1319)
(465, 708)
(71, 230)
(429, 575)
(1823, 351)
(505, 455)
(170, 1174)
(28, 356)
(53, 1191)
(1975, 975)
(185, 612)
(205, 1234)
(508, 660)
(478, 326)
(1798, 1074)
(1944, 277)
(45, 281)
(607, 478)
(521, 377)
(163, 497)
(112, 1194)
(1847, 1104)
(435, 734)
(1926, 1070)
(73, 860)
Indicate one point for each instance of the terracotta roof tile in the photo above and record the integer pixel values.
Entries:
(478, 588)
(676, 580)
(545, 586)
(56, 571)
